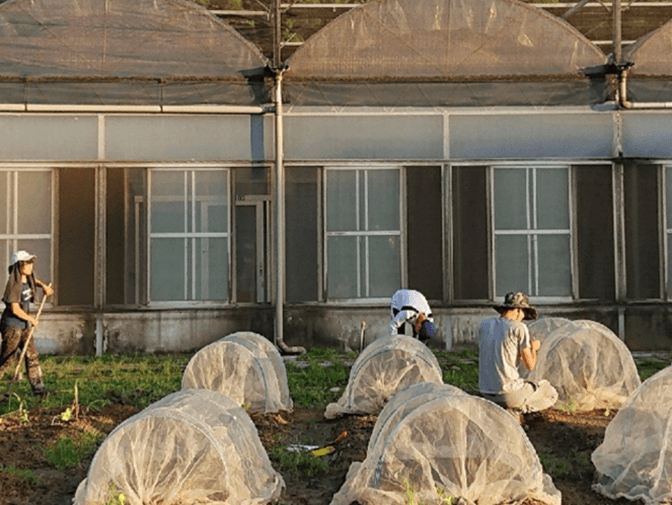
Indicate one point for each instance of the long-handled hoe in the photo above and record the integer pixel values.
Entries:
(15, 376)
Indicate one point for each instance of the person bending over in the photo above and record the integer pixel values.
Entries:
(410, 306)
(503, 342)
(16, 321)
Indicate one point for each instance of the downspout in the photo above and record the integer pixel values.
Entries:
(623, 93)
(280, 220)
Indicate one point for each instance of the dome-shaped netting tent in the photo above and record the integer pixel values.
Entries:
(386, 366)
(194, 446)
(588, 365)
(445, 52)
(435, 440)
(246, 368)
(635, 459)
(543, 327)
(106, 52)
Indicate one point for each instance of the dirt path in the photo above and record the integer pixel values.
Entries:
(565, 442)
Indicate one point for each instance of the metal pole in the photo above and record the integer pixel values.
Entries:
(617, 33)
(279, 212)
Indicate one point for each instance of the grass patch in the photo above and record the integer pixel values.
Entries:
(311, 380)
(138, 379)
(647, 368)
(460, 369)
(68, 451)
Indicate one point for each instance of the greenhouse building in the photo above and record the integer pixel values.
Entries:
(177, 187)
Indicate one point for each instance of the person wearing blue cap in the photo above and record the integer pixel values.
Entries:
(410, 306)
(503, 343)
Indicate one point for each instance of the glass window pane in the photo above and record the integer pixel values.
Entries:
(212, 276)
(554, 260)
(341, 200)
(384, 266)
(342, 267)
(383, 199)
(511, 256)
(552, 198)
(212, 193)
(510, 199)
(246, 254)
(168, 194)
(167, 269)
(34, 212)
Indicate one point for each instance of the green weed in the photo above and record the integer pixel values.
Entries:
(555, 467)
(68, 451)
(567, 408)
(460, 369)
(300, 463)
(13, 473)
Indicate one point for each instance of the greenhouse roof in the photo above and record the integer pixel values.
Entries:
(445, 52)
(124, 51)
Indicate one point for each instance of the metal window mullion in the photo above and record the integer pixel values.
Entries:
(15, 204)
(535, 243)
(366, 238)
(573, 240)
(191, 176)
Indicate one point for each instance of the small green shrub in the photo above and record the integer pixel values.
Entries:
(115, 496)
(68, 451)
(554, 466)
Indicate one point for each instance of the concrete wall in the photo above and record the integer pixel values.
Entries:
(643, 327)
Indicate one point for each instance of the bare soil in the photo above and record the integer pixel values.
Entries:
(566, 440)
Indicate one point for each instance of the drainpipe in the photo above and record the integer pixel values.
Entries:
(280, 220)
(623, 93)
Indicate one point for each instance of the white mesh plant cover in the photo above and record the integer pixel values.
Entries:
(192, 447)
(588, 364)
(244, 369)
(540, 329)
(387, 365)
(432, 436)
(543, 327)
(635, 459)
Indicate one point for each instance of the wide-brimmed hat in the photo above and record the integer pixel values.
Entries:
(517, 300)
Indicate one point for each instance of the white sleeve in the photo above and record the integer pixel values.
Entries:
(401, 318)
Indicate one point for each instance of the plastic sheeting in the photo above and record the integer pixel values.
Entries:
(445, 52)
(385, 366)
(124, 51)
(244, 366)
(194, 446)
(635, 459)
(432, 436)
(588, 365)
(543, 327)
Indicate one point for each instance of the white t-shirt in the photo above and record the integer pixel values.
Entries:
(500, 341)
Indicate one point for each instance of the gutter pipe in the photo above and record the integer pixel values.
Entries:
(280, 220)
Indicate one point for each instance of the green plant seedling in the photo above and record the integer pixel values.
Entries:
(115, 496)
(303, 462)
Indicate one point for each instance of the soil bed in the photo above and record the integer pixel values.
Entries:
(564, 441)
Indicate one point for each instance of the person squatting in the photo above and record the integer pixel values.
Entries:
(16, 321)
(503, 342)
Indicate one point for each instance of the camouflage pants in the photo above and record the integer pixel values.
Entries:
(13, 341)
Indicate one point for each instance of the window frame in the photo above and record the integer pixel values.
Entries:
(13, 237)
(532, 232)
(188, 236)
(326, 234)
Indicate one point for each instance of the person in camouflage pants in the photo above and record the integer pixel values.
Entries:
(16, 322)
